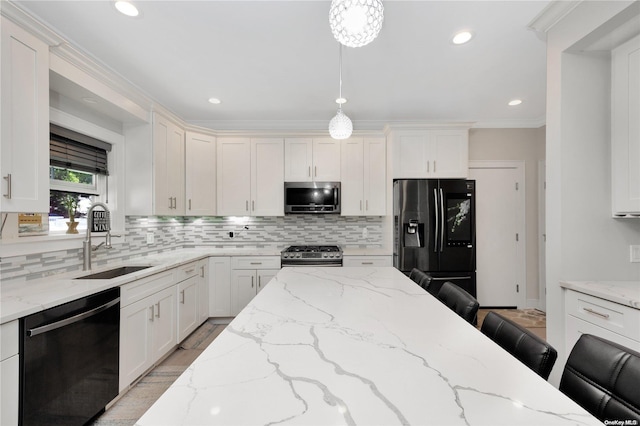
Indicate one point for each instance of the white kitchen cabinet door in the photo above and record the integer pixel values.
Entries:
(298, 159)
(450, 153)
(326, 160)
(234, 176)
(164, 336)
(352, 201)
(136, 323)
(267, 177)
(375, 177)
(24, 150)
(625, 128)
(168, 167)
(9, 390)
(220, 287)
(203, 291)
(187, 307)
(243, 284)
(264, 276)
(200, 174)
(431, 154)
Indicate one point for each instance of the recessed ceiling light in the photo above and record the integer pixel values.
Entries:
(214, 101)
(341, 101)
(515, 102)
(126, 8)
(462, 37)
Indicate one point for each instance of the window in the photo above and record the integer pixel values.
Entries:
(78, 175)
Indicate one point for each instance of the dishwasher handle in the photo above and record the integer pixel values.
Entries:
(76, 318)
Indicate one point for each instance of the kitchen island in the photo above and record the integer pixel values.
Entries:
(356, 346)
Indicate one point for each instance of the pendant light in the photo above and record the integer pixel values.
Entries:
(340, 126)
(356, 23)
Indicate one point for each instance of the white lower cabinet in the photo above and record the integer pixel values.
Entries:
(367, 261)
(249, 275)
(586, 314)
(9, 373)
(187, 307)
(220, 287)
(147, 325)
(203, 291)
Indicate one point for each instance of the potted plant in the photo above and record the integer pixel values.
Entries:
(70, 202)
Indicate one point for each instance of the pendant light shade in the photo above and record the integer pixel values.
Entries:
(340, 126)
(355, 23)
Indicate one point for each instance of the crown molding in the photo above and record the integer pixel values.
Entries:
(533, 123)
(14, 13)
(552, 14)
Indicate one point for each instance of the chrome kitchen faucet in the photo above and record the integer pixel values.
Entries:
(87, 248)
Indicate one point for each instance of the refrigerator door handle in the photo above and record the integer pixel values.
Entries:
(435, 234)
(444, 220)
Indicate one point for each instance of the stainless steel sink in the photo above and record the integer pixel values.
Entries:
(112, 273)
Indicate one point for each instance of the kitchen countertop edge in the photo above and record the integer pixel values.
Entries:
(623, 292)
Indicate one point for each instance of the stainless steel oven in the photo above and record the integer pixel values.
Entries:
(311, 256)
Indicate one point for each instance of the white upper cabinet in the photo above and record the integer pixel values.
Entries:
(309, 159)
(200, 174)
(625, 128)
(363, 177)
(250, 177)
(431, 154)
(168, 170)
(24, 149)
(267, 177)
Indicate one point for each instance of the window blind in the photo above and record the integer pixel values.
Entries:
(72, 150)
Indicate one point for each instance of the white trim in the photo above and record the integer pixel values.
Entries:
(542, 282)
(522, 228)
(552, 14)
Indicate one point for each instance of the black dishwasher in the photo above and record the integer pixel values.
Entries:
(69, 360)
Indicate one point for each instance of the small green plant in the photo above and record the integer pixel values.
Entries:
(70, 202)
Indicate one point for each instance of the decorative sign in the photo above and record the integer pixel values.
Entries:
(101, 221)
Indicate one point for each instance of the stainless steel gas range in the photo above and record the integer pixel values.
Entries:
(311, 256)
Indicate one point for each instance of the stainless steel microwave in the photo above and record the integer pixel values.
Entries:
(311, 197)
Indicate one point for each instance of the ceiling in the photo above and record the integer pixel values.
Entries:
(274, 64)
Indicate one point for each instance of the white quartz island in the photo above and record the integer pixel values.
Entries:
(365, 346)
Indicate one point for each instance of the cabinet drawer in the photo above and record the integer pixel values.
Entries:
(8, 339)
(367, 261)
(260, 262)
(187, 271)
(575, 327)
(617, 318)
(138, 290)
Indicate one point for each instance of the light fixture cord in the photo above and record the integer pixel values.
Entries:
(340, 62)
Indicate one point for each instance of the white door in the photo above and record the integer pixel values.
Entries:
(187, 307)
(298, 159)
(500, 260)
(163, 201)
(164, 335)
(175, 168)
(264, 276)
(233, 176)
(542, 236)
(220, 287)
(326, 160)
(375, 177)
(243, 284)
(450, 153)
(200, 175)
(352, 202)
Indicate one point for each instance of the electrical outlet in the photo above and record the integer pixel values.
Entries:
(634, 254)
(150, 238)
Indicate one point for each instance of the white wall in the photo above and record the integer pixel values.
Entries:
(583, 241)
(526, 145)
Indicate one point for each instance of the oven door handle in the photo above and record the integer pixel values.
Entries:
(76, 318)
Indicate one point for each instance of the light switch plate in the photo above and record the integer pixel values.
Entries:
(634, 254)
(150, 238)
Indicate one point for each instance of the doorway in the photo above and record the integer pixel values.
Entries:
(500, 232)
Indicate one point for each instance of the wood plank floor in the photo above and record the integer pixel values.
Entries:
(132, 405)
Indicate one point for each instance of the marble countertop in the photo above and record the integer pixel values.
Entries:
(356, 346)
(622, 292)
(19, 299)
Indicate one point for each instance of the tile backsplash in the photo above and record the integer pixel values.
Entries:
(172, 233)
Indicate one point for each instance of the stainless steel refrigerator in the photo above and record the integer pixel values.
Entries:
(434, 230)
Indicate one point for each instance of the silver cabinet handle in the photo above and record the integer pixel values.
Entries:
(189, 203)
(170, 202)
(315, 171)
(202, 271)
(158, 313)
(600, 314)
(188, 271)
(255, 263)
(8, 179)
(367, 263)
(182, 297)
(259, 281)
(246, 205)
(253, 205)
(152, 310)
(360, 205)
(175, 202)
(251, 282)
(366, 205)
(309, 172)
